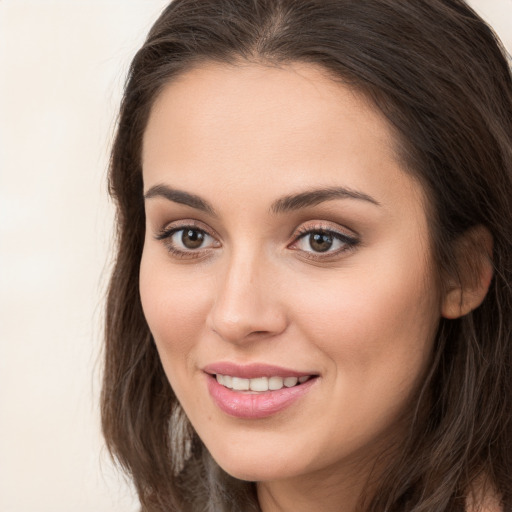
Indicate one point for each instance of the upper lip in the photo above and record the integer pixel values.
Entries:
(253, 370)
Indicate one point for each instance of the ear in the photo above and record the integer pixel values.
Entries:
(473, 252)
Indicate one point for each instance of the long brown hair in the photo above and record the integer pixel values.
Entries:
(441, 77)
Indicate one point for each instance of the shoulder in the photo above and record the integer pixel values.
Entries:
(483, 497)
(487, 506)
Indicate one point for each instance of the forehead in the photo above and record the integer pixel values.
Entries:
(251, 123)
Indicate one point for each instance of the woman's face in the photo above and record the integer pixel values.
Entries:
(287, 252)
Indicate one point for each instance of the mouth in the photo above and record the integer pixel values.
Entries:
(256, 391)
(260, 384)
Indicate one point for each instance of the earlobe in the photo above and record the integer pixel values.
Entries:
(475, 271)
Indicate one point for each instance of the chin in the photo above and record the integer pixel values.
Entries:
(258, 465)
(252, 471)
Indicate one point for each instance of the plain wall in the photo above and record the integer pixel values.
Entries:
(62, 67)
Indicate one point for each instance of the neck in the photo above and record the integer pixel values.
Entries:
(339, 487)
(329, 490)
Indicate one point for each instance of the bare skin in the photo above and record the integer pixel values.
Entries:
(236, 275)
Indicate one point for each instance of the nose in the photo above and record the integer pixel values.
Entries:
(246, 303)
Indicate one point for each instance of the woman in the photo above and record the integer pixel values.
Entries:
(311, 304)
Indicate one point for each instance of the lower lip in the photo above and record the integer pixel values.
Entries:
(255, 405)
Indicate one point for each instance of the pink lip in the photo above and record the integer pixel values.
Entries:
(251, 371)
(248, 405)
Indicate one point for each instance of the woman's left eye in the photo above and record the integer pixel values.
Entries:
(317, 242)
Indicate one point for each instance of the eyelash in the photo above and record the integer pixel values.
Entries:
(349, 242)
(166, 235)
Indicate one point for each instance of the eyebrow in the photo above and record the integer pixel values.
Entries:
(285, 204)
(317, 196)
(181, 197)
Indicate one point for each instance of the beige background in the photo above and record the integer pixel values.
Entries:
(62, 66)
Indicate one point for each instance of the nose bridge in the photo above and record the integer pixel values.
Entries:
(245, 301)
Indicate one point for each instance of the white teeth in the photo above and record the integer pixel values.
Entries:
(259, 383)
(240, 384)
(289, 382)
(275, 383)
(225, 380)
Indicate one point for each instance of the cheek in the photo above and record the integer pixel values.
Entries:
(174, 304)
(377, 334)
(374, 321)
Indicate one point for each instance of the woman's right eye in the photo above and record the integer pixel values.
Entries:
(187, 241)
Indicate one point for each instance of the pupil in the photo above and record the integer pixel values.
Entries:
(320, 242)
(192, 238)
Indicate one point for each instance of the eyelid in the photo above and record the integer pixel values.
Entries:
(330, 227)
(350, 239)
(170, 229)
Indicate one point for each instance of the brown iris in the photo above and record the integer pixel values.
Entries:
(320, 241)
(192, 238)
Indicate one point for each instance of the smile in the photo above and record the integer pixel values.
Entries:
(256, 391)
(260, 384)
